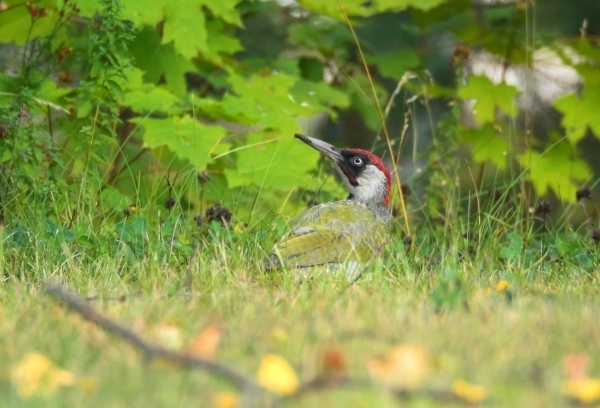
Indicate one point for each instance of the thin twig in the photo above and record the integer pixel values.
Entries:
(381, 118)
(151, 351)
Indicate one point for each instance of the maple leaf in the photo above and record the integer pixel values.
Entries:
(489, 96)
(580, 112)
(35, 374)
(503, 284)
(168, 335)
(276, 374)
(546, 169)
(206, 343)
(226, 400)
(402, 367)
(468, 392)
(334, 361)
(584, 390)
(575, 365)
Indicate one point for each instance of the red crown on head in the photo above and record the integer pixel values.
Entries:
(380, 164)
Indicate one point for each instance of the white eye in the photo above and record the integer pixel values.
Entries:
(357, 161)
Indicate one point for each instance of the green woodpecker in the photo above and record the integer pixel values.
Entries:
(342, 235)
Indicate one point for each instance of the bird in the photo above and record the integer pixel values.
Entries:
(342, 235)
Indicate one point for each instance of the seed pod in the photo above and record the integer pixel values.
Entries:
(170, 203)
(583, 193)
(543, 207)
(218, 213)
(203, 177)
(405, 190)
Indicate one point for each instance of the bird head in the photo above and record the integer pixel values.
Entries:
(365, 175)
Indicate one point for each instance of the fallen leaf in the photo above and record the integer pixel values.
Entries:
(334, 361)
(35, 374)
(585, 390)
(402, 367)
(473, 394)
(206, 343)
(168, 336)
(575, 365)
(276, 374)
(502, 285)
(226, 400)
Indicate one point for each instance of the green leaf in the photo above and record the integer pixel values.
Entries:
(395, 64)
(185, 136)
(113, 199)
(555, 169)
(142, 12)
(270, 101)
(140, 227)
(225, 9)
(399, 5)
(141, 97)
(15, 25)
(332, 9)
(361, 95)
(487, 144)
(85, 109)
(184, 25)
(162, 62)
(125, 232)
(219, 42)
(514, 248)
(568, 246)
(580, 112)
(489, 97)
(230, 108)
(318, 96)
(272, 160)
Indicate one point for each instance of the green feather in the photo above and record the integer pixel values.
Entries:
(334, 232)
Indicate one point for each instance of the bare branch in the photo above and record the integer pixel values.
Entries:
(151, 351)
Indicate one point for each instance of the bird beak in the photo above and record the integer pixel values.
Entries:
(328, 150)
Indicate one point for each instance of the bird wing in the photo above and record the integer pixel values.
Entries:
(332, 232)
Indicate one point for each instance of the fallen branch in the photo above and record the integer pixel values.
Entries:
(151, 351)
(249, 387)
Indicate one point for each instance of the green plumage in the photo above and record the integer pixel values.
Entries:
(335, 232)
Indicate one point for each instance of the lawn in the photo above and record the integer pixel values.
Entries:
(415, 330)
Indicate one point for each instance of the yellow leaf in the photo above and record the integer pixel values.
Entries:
(206, 343)
(168, 335)
(226, 400)
(585, 390)
(402, 367)
(276, 374)
(35, 374)
(503, 284)
(469, 392)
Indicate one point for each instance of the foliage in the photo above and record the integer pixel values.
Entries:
(147, 159)
(110, 101)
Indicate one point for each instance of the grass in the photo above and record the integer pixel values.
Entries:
(512, 341)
